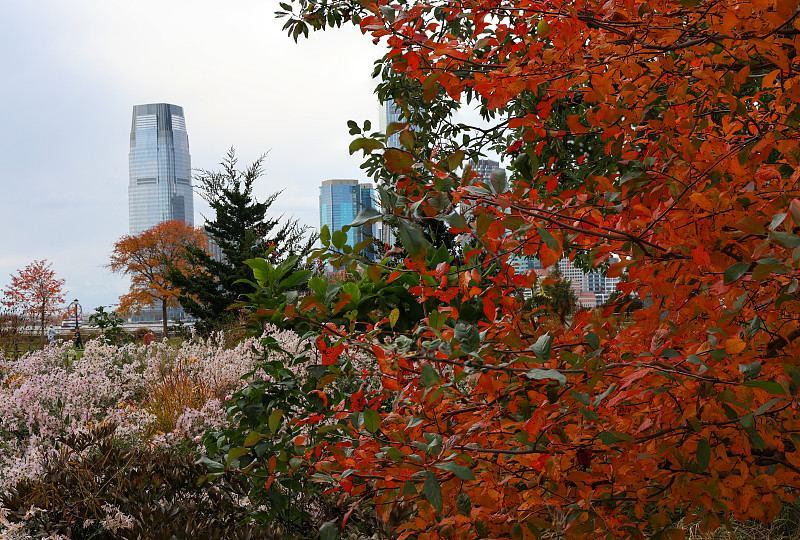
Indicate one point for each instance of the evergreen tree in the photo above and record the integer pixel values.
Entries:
(242, 230)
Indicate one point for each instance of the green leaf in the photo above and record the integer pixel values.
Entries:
(767, 406)
(777, 219)
(735, 271)
(794, 208)
(436, 319)
(339, 239)
(786, 239)
(318, 285)
(429, 376)
(454, 160)
(542, 28)
(372, 420)
(771, 387)
(295, 279)
(607, 437)
(365, 215)
(541, 373)
(412, 238)
(462, 473)
(548, 238)
(325, 236)
(275, 420)
(432, 491)
(455, 220)
(750, 370)
(467, 336)
(542, 347)
(498, 180)
(262, 270)
(366, 144)
(409, 488)
(235, 453)
(252, 438)
(394, 315)
(463, 504)
(703, 455)
(328, 531)
(593, 340)
(210, 464)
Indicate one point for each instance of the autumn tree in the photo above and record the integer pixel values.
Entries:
(148, 256)
(503, 423)
(242, 229)
(36, 293)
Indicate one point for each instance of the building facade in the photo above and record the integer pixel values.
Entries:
(390, 113)
(160, 168)
(485, 167)
(340, 201)
(591, 288)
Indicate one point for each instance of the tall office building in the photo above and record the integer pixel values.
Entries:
(390, 113)
(485, 167)
(340, 201)
(160, 187)
(160, 167)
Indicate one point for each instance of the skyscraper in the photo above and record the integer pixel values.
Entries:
(340, 201)
(160, 167)
(389, 114)
(485, 167)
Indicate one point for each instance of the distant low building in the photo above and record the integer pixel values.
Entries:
(591, 288)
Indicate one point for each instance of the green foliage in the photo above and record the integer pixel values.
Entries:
(557, 296)
(266, 443)
(242, 230)
(110, 325)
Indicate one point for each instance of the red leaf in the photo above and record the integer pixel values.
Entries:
(489, 309)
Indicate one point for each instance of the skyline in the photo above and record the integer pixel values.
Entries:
(81, 67)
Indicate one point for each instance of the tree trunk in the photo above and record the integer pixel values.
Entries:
(164, 315)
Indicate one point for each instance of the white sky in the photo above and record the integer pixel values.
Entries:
(71, 71)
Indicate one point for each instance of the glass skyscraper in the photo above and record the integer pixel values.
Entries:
(160, 167)
(389, 114)
(340, 201)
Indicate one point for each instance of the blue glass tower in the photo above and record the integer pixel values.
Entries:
(160, 167)
(340, 201)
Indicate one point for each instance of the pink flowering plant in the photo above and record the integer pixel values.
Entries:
(157, 396)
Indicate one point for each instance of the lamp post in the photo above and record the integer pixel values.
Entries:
(77, 307)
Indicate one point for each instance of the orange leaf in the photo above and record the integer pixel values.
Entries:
(735, 346)
(548, 256)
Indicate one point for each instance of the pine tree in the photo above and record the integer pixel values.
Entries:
(242, 230)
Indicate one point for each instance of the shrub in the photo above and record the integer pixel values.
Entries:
(96, 488)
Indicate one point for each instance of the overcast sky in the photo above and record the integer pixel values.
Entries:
(71, 71)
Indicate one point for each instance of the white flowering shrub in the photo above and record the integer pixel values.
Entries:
(158, 395)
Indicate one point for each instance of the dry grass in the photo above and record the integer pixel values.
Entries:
(786, 526)
(168, 398)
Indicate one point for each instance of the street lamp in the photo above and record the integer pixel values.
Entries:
(78, 310)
